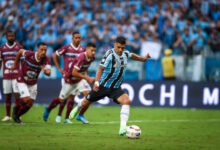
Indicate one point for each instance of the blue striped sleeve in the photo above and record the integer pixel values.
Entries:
(106, 59)
(127, 53)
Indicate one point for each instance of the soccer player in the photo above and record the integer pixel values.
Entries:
(33, 64)
(108, 80)
(77, 71)
(7, 54)
(69, 52)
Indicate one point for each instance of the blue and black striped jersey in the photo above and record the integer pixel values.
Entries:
(115, 67)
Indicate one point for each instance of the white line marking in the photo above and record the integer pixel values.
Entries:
(163, 121)
(117, 122)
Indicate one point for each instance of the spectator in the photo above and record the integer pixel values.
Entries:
(168, 19)
(168, 34)
(214, 41)
(135, 43)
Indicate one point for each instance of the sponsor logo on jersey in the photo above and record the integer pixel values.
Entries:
(32, 74)
(71, 54)
(9, 53)
(6, 71)
(9, 63)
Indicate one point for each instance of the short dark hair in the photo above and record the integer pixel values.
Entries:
(75, 32)
(41, 43)
(9, 31)
(121, 40)
(90, 45)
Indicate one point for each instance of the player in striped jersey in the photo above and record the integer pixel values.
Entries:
(69, 52)
(108, 81)
(8, 52)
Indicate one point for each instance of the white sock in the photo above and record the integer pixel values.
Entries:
(124, 115)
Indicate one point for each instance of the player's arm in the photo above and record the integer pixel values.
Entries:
(139, 58)
(17, 58)
(97, 78)
(76, 73)
(99, 73)
(104, 63)
(56, 62)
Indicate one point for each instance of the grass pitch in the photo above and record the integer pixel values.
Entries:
(162, 129)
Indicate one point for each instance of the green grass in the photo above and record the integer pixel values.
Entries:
(162, 129)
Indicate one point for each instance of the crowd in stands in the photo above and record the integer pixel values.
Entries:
(186, 26)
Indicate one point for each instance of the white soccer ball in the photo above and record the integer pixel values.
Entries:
(133, 132)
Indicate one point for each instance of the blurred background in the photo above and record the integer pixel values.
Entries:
(190, 28)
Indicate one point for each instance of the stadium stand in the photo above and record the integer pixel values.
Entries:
(191, 28)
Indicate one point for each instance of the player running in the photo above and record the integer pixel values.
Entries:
(8, 53)
(108, 80)
(76, 73)
(69, 52)
(33, 64)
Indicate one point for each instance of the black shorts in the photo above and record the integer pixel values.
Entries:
(113, 93)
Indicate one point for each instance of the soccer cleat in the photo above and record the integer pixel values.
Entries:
(122, 131)
(46, 114)
(82, 118)
(58, 119)
(67, 121)
(73, 113)
(6, 118)
(18, 120)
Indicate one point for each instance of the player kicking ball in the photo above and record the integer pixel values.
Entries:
(108, 81)
(77, 71)
(32, 65)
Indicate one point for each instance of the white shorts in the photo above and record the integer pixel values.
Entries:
(10, 86)
(27, 90)
(73, 89)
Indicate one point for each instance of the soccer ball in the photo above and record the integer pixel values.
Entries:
(133, 132)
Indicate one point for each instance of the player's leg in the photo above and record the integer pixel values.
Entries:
(91, 97)
(81, 116)
(124, 114)
(17, 99)
(7, 89)
(61, 106)
(8, 108)
(69, 108)
(80, 105)
(26, 104)
(16, 92)
(83, 87)
(27, 94)
(64, 93)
